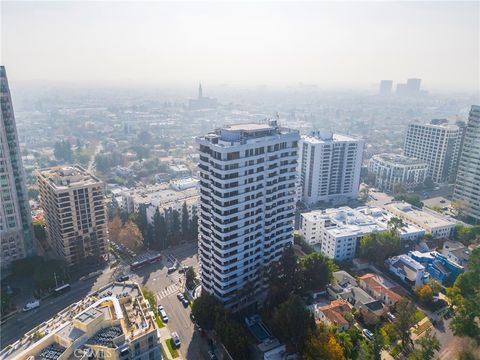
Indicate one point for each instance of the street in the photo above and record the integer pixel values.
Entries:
(153, 276)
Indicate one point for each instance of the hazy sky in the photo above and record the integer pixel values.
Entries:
(332, 44)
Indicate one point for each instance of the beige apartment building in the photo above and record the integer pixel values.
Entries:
(75, 215)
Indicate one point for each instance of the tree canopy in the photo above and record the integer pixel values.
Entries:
(378, 246)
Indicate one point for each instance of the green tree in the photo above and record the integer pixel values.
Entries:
(425, 294)
(395, 223)
(345, 341)
(465, 295)
(159, 231)
(39, 231)
(206, 309)
(190, 277)
(282, 278)
(405, 319)
(378, 246)
(6, 302)
(315, 272)
(364, 193)
(233, 336)
(365, 351)
(428, 344)
(175, 230)
(193, 227)
(293, 321)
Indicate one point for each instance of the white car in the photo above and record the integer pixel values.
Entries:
(31, 305)
(368, 334)
(176, 340)
(162, 313)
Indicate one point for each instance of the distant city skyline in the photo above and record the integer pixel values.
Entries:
(330, 44)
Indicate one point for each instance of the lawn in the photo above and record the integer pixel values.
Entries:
(172, 350)
(419, 315)
(159, 322)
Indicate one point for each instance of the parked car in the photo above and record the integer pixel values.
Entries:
(390, 316)
(171, 269)
(176, 340)
(192, 317)
(368, 334)
(185, 302)
(163, 313)
(123, 278)
(180, 297)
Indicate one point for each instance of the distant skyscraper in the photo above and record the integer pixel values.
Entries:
(402, 89)
(200, 92)
(413, 86)
(247, 207)
(16, 234)
(75, 214)
(385, 87)
(330, 167)
(438, 145)
(202, 102)
(467, 186)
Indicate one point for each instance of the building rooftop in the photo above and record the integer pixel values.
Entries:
(418, 216)
(397, 159)
(324, 137)
(65, 177)
(239, 134)
(345, 221)
(110, 317)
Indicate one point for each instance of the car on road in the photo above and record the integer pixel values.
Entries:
(183, 269)
(185, 302)
(171, 269)
(442, 201)
(368, 334)
(192, 317)
(180, 296)
(31, 305)
(211, 355)
(162, 313)
(123, 278)
(176, 340)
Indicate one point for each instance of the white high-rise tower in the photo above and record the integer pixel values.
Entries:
(467, 186)
(16, 233)
(247, 207)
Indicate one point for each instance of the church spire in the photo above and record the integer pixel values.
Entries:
(200, 92)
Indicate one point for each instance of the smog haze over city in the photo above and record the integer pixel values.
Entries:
(346, 45)
(240, 180)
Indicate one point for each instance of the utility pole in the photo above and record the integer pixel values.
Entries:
(55, 276)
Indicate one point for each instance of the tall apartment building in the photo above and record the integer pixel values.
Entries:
(247, 206)
(330, 167)
(385, 87)
(437, 143)
(16, 233)
(75, 214)
(467, 186)
(394, 169)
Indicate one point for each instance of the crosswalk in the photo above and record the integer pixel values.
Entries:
(171, 289)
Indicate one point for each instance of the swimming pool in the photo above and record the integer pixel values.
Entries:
(259, 331)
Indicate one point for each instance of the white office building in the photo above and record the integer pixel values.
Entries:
(393, 169)
(330, 167)
(247, 206)
(467, 189)
(438, 144)
(337, 232)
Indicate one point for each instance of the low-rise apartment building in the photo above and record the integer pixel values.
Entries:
(433, 223)
(337, 231)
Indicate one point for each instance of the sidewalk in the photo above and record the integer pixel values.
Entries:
(165, 335)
